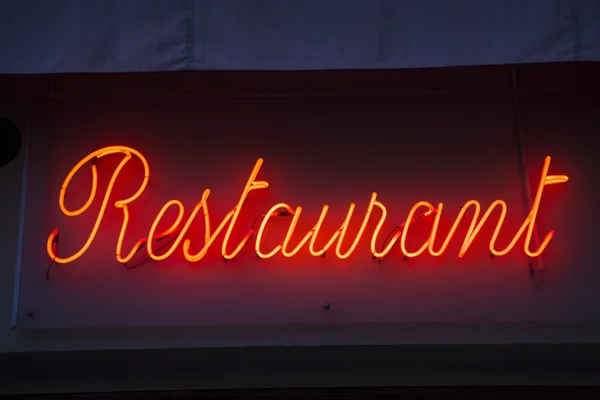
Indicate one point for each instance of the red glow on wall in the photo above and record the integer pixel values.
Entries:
(339, 243)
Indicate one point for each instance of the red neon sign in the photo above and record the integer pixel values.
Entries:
(181, 225)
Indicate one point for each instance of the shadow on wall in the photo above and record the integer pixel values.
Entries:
(10, 137)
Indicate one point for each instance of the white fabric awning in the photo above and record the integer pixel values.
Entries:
(44, 36)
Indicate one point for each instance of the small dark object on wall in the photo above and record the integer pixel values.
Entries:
(10, 141)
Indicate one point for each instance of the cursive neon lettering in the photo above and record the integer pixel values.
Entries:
(339, 235)
(250, 185)
(290, 232)
(272, 212)
(181, 239)
(123, 203)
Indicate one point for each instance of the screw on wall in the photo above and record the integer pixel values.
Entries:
(29, 313)
(326, 306)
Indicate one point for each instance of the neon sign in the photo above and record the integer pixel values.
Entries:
(179, 228)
